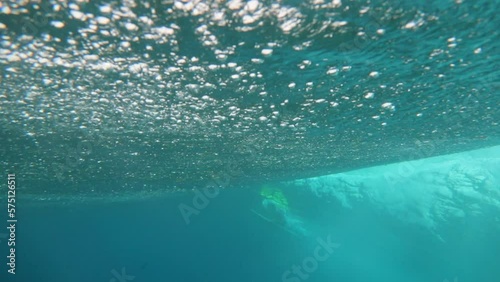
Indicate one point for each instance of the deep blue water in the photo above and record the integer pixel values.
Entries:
(149, 240)
(328, 128)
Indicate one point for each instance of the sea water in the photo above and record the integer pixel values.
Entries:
(429, 220)
(250, 141)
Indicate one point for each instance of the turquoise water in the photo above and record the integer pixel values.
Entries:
(251, 140)
(430, 220)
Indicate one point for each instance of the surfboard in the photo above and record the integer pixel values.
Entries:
(274, 223)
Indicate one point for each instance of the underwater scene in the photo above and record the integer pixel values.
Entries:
(249, 140)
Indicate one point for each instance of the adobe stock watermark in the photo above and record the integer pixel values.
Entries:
(200, 201)
(202, 197)
(35, 23)
(121, 276)
(76, 156)
(310, 264)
